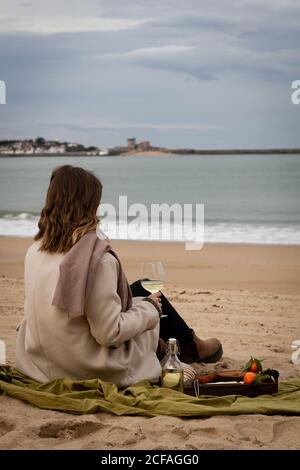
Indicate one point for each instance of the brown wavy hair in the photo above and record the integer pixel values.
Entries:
(72, 200)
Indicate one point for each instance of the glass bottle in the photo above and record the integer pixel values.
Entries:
(172, 371)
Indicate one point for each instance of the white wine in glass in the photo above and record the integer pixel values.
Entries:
(153, 277)
(153, 285)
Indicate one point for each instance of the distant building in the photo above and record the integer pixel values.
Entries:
(41, 146)
(145, 145)
(103, 152)
(131, 143)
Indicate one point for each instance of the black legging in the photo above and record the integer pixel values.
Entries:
(172, 326)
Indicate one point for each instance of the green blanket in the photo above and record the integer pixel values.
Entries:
(144, 399)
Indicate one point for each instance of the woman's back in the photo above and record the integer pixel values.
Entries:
(52, 344)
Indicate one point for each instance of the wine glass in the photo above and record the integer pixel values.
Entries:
(153, 277)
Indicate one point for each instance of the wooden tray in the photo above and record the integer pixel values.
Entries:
(232, 389)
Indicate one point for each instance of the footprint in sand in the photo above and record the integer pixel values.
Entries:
(121, 436)
(287, 430)
(5, 427)
(68, 429)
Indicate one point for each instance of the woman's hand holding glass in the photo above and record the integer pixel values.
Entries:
(152, 279)
(156, 298)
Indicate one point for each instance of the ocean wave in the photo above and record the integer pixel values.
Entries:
(25, 225)
(21, 216)
(19, 225)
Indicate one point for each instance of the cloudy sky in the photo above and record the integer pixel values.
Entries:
(197, 73)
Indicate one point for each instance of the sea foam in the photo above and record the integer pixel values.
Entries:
(25, 225)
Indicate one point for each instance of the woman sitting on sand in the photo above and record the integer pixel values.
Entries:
(82, 319)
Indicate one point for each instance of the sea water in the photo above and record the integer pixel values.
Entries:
(247, 198)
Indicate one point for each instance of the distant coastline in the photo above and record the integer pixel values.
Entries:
(160, 153)
(174, 152)
(40, 147)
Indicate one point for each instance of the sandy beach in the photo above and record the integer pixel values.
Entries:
(246, 295)
(148, 153)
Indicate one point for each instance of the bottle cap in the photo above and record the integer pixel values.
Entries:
(173, 346)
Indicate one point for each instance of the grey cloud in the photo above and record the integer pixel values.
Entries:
(158, 76)
(193, 22)
(177, 58)
(207, 60)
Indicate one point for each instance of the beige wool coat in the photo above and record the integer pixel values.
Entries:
(105, 343)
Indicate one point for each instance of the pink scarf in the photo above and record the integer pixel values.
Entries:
(77, 275)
